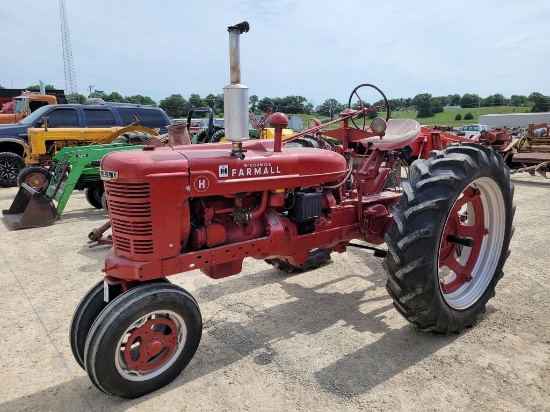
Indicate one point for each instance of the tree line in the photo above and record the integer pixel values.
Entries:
(425, 104)
(176, 106)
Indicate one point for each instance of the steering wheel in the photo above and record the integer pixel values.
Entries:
(362, 103)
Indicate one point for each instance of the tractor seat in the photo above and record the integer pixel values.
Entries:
(399, 133)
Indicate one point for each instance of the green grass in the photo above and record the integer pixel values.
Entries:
(447, 118)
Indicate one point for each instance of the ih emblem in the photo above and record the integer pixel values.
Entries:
(223, 171)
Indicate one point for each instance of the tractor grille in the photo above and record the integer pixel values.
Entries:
(134, 246)
(131, 217)
(129, 190)
(130, 210)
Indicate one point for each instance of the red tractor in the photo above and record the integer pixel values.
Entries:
(208, 207)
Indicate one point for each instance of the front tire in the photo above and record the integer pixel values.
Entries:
(143, 340)
(34, 176)
(86, 313)
(450, 237)
(94, 196)
(83, 318)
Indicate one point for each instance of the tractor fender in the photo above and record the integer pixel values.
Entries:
(8, 141)
(120, 132)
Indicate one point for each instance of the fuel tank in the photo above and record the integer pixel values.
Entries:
(211, 169)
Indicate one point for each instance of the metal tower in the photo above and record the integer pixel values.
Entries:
(70, 76)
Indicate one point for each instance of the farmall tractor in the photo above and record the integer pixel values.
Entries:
(208, 207)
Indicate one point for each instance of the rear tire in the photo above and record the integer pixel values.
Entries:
(218, 136)
(310, 141)
(450, 237)
(94, 196)
(201, 137)
(133, 138)
(10, 166)
(316, 258)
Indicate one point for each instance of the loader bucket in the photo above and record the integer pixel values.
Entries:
(30, 209)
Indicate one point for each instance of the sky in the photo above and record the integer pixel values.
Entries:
(316, 49)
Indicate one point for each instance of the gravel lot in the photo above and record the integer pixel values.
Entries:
(325, 340)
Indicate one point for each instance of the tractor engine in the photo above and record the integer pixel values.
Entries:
(192, 207)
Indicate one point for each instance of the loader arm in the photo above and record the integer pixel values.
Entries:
(72, 167)
(76, 165)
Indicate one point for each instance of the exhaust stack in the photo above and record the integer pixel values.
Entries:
(235, 95)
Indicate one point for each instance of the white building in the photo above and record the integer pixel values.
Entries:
(514, 119)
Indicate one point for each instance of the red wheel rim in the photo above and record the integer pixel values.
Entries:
(151, 344)
(457, 227)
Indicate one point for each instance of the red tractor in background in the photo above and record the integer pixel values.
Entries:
(208, 207)
(500, 140)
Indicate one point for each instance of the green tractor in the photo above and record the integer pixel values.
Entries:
(210, 132)
(72, 168)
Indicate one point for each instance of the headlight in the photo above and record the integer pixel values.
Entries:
(378, 125)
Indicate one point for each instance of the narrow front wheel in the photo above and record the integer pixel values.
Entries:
(84, 316)
(143, 340)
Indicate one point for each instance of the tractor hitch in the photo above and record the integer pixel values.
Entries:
(378, 252)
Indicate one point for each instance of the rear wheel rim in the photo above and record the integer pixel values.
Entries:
(477, 216)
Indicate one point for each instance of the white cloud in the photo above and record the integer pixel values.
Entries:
(317, 49)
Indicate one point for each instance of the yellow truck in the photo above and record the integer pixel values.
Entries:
(24, 105)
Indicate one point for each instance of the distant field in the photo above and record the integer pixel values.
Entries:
(447, 118)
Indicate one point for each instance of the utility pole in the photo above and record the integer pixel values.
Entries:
(90, 87)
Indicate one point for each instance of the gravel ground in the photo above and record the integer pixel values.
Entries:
(324, 340)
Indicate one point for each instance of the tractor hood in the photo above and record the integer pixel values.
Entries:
(141, 165)
(211, 169)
